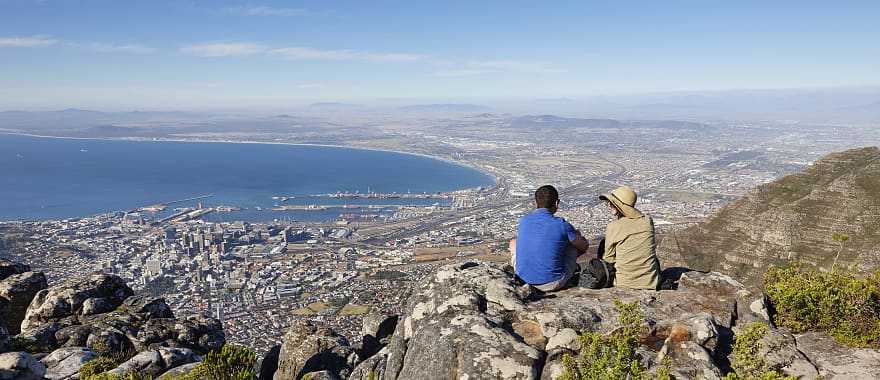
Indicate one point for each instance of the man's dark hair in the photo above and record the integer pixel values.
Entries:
(546, 197)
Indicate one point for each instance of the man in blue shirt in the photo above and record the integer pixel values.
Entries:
(545, 251)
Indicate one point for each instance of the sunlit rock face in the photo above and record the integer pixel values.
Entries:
(800, 217)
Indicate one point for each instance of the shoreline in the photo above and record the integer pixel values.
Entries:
(485, 172)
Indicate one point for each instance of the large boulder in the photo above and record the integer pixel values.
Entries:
(65, 363)
(308, 348)
(20, 366)
(66, 300)
(18, 291)
(197, 333)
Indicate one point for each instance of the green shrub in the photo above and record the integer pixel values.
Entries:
(840, 304)
(748, 362)
(127, 376)
(231, 362)
(97, 366)
(608, 358)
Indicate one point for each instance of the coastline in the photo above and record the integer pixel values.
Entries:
(483, 171)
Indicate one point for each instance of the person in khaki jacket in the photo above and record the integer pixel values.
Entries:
(629, 242)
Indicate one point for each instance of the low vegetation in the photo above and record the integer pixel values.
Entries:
(839, 303)
(97, 366)
(749, 363)
(611, 357)
(231, 362)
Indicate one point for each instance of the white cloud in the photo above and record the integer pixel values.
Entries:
(304, 53)
(113, 48)
(223, 49)
(267, 11)
(26, 41)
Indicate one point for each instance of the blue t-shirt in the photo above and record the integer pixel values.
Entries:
(541, 241)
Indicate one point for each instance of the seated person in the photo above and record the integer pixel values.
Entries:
(629, 242)
(545, 251)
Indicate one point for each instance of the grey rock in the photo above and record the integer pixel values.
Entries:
(18, 290)
(20, 366)
(321, 375)
(308, 348)
(376, 330)
(178, 371)
(156, 362)
(779, 350)
(148, 307)
(66, 362)
(197, 333)
(97, 305)
(67, 299)
(837, 361)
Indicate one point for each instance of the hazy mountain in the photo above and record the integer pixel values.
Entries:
(70, 119)
(552, 121)
(450, 107)
(794, 218)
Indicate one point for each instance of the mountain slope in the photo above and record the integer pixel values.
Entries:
(794, 218)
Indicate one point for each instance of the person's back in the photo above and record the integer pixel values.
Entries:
(629, 242)
(542, 240)
(545, 252)
(630, 245)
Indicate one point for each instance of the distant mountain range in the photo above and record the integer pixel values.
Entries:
(79, 118)
(552, 121)
(794, 219)
(452, 107)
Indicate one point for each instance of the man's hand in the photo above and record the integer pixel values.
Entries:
(581, 244)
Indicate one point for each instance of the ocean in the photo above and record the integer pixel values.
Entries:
(53, 178)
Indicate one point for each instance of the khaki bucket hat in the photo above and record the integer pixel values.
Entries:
(624, 198)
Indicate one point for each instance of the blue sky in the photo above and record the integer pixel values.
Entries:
(181, 54)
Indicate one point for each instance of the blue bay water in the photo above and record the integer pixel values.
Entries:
(47, 178)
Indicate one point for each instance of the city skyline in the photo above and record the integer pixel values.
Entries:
(194, 54)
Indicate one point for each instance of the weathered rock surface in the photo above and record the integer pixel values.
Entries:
(473, 320)
(65, 363)
(18, 290)
(52, 305)
(156, 362)
(836, 361)
(308, 348)
(102, 314)
(20, 366)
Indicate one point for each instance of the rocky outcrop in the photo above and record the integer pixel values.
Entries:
(475, 320)
(20, 366)
(102, 314)
(18, 291)
(103, 293)
(308, 348)
(792, 219)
